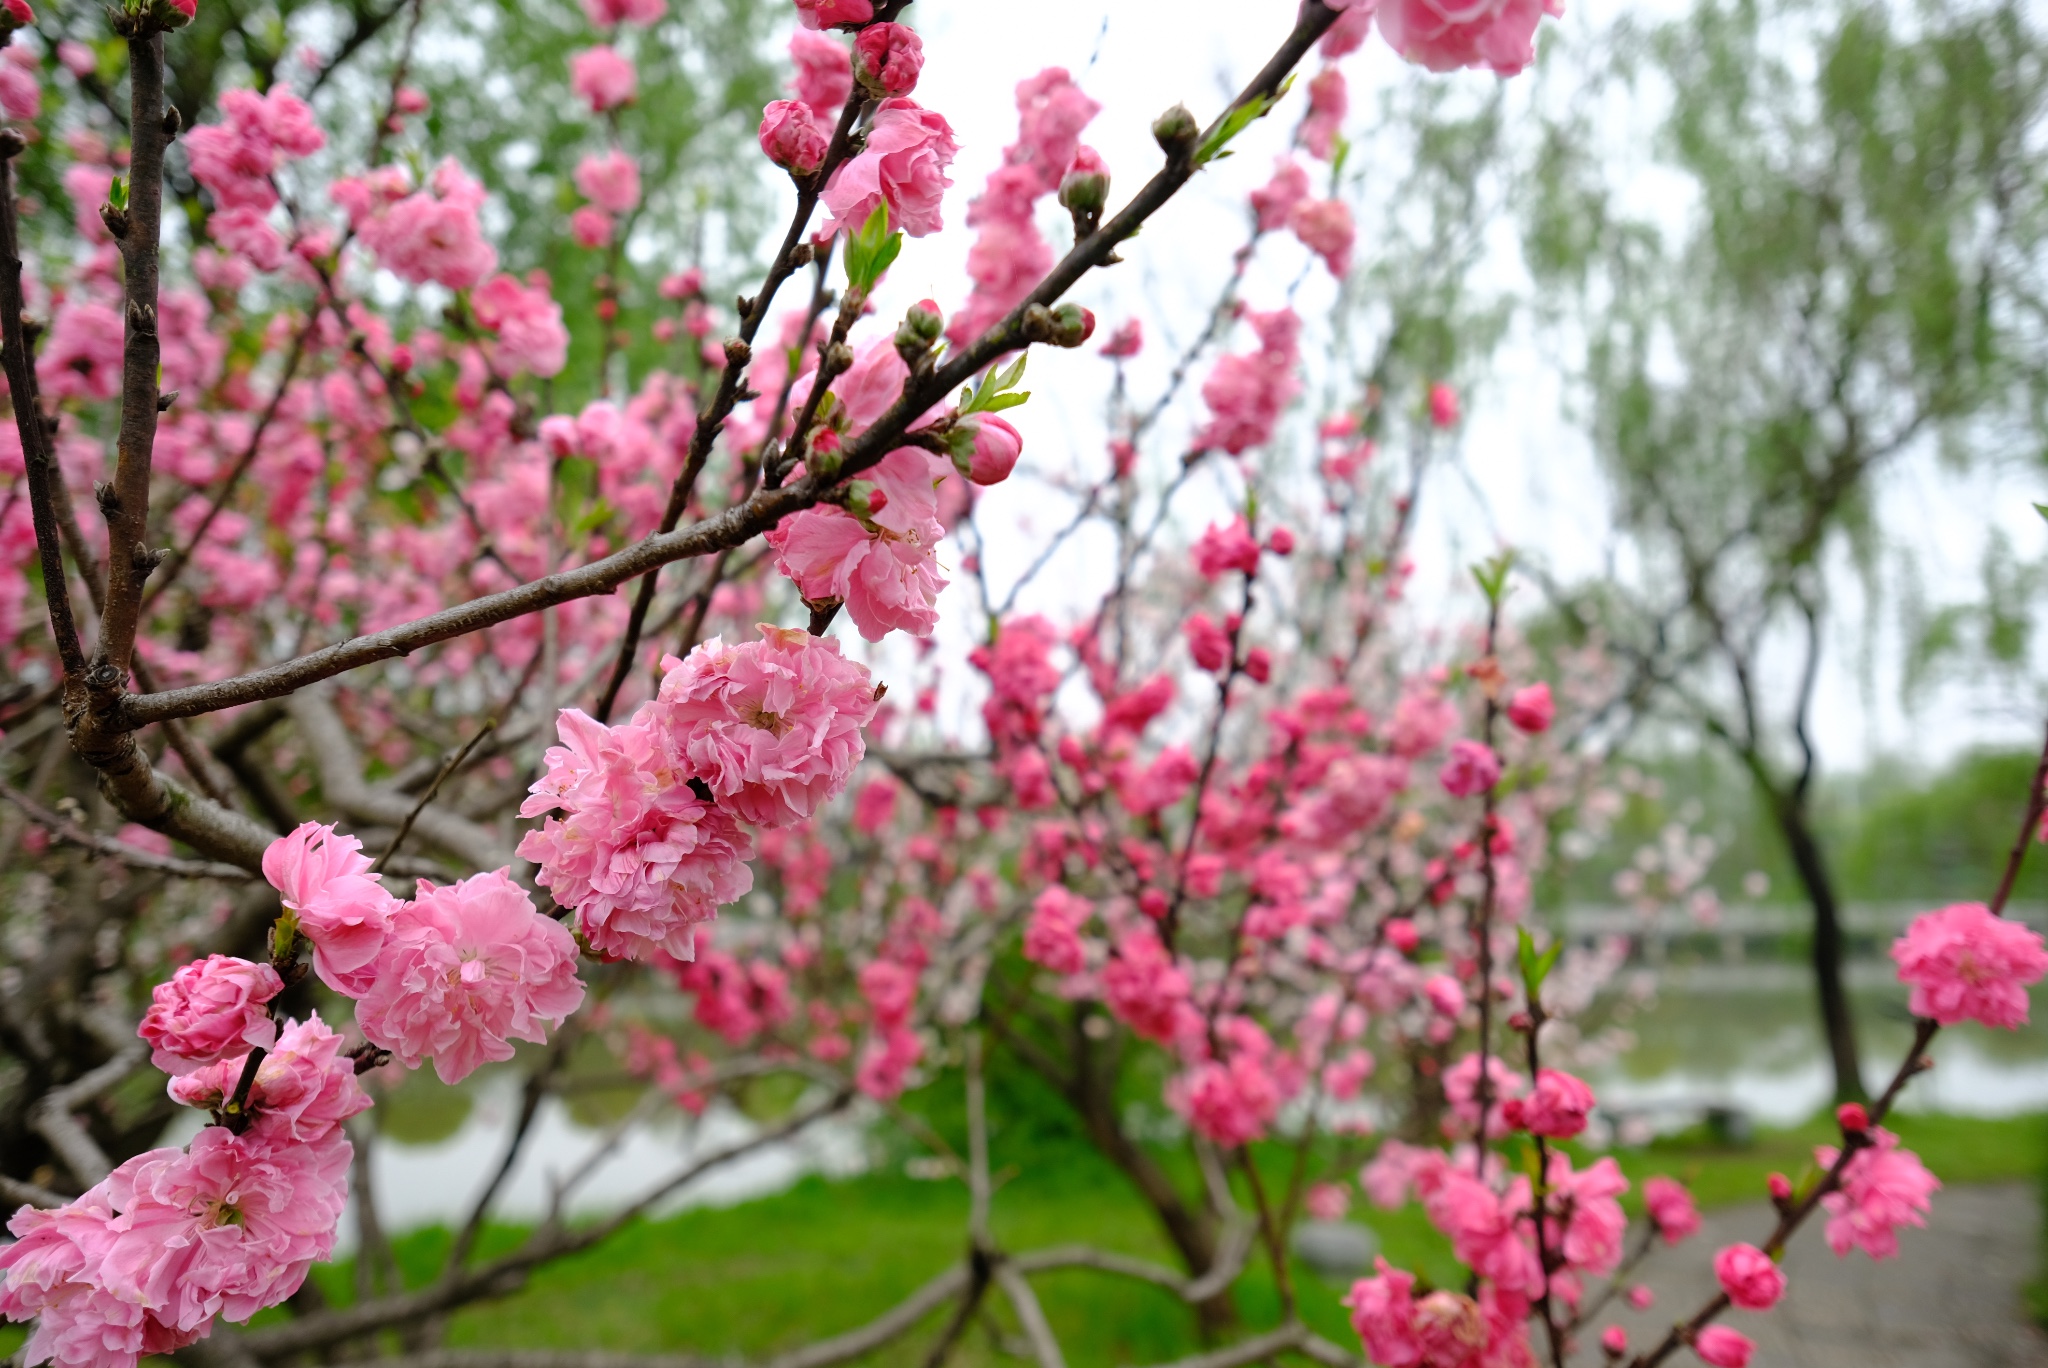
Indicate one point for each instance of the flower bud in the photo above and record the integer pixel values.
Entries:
(1084, 189)
(15, 14)
(1614, 1341)
(1852, 1118)
(994, 455)
(1280, 542)
(792, 137)
(1153, 904)
(1176, 131)
(1443, 405)
(1072, 325)
(887, 59)
(919, 331)
(1781, 1188)
(1258, 663)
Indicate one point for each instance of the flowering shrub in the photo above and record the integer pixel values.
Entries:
(1197, 822)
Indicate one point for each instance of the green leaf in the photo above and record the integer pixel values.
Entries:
(1535, 967)
(1236, 121)
(995, 392)
(117, 192)
(2042, 509)
(1005, 401)
(871, 250)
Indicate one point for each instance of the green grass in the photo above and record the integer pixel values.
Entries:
(826, 1256)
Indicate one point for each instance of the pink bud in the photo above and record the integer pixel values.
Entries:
(1781, 1188)
(411, 100)
(401, 358)
(590, 226)
(997, 446)
(1750, 1277)
(1443, 405)
(1641, 1297)
(1084, 188)
(1153, 904)
(188, 8)
(1402, 935)
(683, 285)
(792, 137)
(1123, 457)
(1853, 1119)
(20, 15)
(887, 59)
(1258, 663)
(1531, 709)
(1280, 541)
(1614, 1341)
(1723, 1348)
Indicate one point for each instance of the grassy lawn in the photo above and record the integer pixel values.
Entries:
(825, 1257)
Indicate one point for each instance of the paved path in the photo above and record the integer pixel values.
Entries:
(1952, 1299)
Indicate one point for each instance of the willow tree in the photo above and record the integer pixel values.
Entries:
(1851, 284)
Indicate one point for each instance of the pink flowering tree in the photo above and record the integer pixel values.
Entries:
(356, 730)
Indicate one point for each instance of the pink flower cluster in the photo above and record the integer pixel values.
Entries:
(902, 165)
(1883, 1187)
(882, 565)
(454, 974)
(420, 235)
(1248, 392)
(650, 844)
(1964, 964)
(145, 1261)
(238, 158)
(210, 1009)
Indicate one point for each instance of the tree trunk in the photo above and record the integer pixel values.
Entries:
(1836, 1021)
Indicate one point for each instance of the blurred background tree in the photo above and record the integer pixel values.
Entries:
(1853, 281)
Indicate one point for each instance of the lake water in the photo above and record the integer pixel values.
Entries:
(1734, 1036)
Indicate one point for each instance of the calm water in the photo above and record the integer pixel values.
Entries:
(1745, 1037)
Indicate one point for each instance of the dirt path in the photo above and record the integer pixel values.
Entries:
(1952, 1299)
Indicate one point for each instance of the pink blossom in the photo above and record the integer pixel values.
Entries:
(1446, 995)
(1671, 1209)
(1556, 1107)
(469, 968)
(819, 14)
(428, 234)
(304, 1087)
(1230, 1103)
(1587, 1224)
(1964, 964)
(226, 1228)
(1052, 936)
(1127, 341)
(1324, 227)
(1051, 113)
(1226, 547)
(1247, 392)
(531, 338)
(882, 567)
(603, 78)
(1348, 34)
(824, 75)
(1021, 678)
(1614, 1341)
(21, 91)
(902, 166)
(1343, 1077)
(1142, 987)
(1327, 1202)
(53, 1274)
(793, 137)
(591, 227)
(1883, 1187)
(1461, 1086)
(885, 1065)
(237, 157)
(81, 358)
(773, 726)
(1274, 202)
(1487, 1231)
(1530, 709)
(611, 181)
(1393, 1171)
(1722, 1347)
(639, 856)
(77, 58)
(1421, 720)
(188, 8)
(610, 13)
(887, 59)
(997, 446)
(247, 234)
(1472, 769)
(1750, 1277)
(1443, 405)
(1640, 1297)
(1328, 101)
(18, 13)
(874, 807)
(323, 877)
(1208, 643)
(210, 1009)
(1497, 34)
(1383, 1313)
